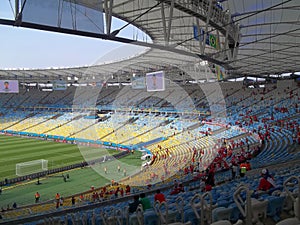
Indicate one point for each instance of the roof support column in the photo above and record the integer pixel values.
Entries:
(17, 8)
(200, 37)
(163, 20)
(228, 54)
(231, 47)
(210, 5)
(237, 37)
(167, 28)
(108, 5)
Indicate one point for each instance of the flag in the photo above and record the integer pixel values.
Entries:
(198, 36)
(220, 72)
(213, 41)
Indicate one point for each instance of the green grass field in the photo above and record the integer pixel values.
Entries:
(15, 150)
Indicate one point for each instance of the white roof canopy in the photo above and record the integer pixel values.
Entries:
(254, 37)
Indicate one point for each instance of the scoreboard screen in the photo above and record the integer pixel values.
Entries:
(9, 86)
(155, 81)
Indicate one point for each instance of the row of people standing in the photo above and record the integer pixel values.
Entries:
(145, 201)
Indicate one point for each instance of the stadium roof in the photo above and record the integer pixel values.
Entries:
(246, 37)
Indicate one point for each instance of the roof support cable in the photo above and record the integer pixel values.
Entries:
(115, 32)
(245, 17)
(257, 40)
(12, 8)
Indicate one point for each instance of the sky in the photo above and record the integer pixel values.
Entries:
(33, 49)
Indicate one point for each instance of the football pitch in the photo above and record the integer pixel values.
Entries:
(15, 150)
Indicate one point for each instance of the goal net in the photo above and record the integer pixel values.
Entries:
(30, 167)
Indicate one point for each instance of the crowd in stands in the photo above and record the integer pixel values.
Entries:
(234, 155)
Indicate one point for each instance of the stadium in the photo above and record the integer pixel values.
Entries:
(201, 126)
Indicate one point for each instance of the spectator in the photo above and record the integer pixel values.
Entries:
(266, 181)
(121, 192)
(95, 196)
(73, 200)
(243, 169)
(81, 197)
(127, 190)
(37, 197)
(117, 192)
(208, 187)
(210, 180)
(133, 205)
(61, 201)
(145, 201)
(159, 196)
(14, 205)
(177, 189)
(57, 199)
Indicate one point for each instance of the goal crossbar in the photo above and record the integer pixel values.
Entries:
(30, 167)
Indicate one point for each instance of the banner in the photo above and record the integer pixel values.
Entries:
(9, 86)
(59, 85)
(138, 83)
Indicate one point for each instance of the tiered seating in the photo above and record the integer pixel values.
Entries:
(273, 108)
(108, 130)
(141, 130)
(5, 98)
(275, 151)
(10, 118)
(59, 98)
(109, 98)
(173, 155)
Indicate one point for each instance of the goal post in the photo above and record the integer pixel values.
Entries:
(30, 167)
